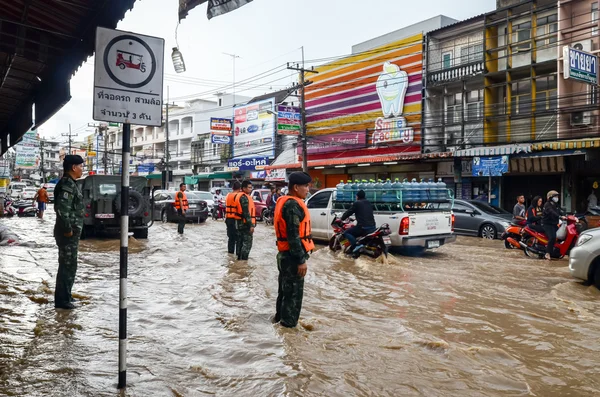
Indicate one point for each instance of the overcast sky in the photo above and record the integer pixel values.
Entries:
(265, 34)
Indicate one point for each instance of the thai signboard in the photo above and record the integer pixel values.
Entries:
(289, 120)
(254, 129)
(128, 78)
(220, 126)
(490, 166)
(27, 151)
(379, 91)
(336, 142)
(580, 65)
(248, 163)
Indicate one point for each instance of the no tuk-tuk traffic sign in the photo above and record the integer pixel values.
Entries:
(128, 78)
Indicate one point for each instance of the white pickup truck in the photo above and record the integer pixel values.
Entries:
(411, 229)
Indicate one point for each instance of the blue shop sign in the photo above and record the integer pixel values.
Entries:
(490, 166)
(248, 163)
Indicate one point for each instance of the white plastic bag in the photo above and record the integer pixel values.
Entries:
(561, 233)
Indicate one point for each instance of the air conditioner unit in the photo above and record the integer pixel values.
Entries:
(583, 45)
(581, 119)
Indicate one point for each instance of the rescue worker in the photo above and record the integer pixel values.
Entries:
(551, 216)
(181, 205)
(68, 205)
(245, 225)
(534, 215)
(41, 197)
(294, 243)
(231, 216)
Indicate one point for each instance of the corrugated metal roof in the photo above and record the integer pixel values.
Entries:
(456, 24)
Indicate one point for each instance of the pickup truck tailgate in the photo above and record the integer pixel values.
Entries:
(429, 223)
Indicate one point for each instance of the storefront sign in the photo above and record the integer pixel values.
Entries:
(145, 168)
(247, 164)
(336, 142)
(288, 120)
(279, 174)
(27, 151)
(218, 139)
(220, 126)
(490, 166)
(254, 129)
(128, 78)
(579, 65)
(392, 130)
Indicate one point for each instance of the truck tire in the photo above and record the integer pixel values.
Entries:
(136, 203)
(140, 234)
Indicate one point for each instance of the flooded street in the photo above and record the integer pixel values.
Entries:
(470, 319)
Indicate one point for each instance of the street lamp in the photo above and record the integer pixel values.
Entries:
(178, 62)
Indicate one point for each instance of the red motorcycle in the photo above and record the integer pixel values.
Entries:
(218, 211)
(535, 245)
(514, 234)
(373, 244)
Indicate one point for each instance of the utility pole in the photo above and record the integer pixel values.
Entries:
(303, 85)
(70, 135)
(42, 160)
(167, 144)
(233, 57)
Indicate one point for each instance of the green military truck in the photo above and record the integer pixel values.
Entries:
(102, 205)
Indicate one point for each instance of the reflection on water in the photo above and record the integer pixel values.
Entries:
(471, 319)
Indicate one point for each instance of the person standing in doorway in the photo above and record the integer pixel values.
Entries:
(181, 205)
(245, 225)
(519, 210)
(68, 205)
(41, 198)
(592, 200)
(231, 202)
(294, 243)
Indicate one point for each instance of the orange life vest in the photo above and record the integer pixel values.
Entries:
(184, 199)
(231, 202)
(251, 208)
(281, 226)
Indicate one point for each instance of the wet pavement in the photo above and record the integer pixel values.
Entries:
(470, 319)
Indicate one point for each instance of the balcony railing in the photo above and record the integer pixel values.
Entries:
(455, 73)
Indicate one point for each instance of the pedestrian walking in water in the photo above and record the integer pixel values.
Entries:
(294, 243)
(231, 216)
(41, 198)
(68, 205)
(181, 205)
(245, 225)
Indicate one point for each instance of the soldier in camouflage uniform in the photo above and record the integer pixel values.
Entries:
(245, 226)
(68, 205)
(294, 243)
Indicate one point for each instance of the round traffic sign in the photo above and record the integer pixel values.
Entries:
(129, 61)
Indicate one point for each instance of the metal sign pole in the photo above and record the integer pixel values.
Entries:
(123, 257)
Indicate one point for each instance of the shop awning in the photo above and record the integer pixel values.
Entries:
(494, 150)
(362, 160)
(212, 175)
(154, 176)
(588, 143)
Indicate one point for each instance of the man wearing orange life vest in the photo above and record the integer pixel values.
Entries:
(181, 205)
(231, 216)
(245, 225)
(294, 243)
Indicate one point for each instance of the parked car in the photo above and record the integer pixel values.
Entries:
(28, 193)
(260, 202)
(102, 205)
(164, 207)
(50, 189)
(477, 218)
(206, 196)
(584, 258)
(15, 189)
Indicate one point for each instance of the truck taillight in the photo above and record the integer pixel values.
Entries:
(452, 220)
(404, 226)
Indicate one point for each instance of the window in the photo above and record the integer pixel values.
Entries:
(319, 200)
(475, 105)
(471, 53)
(521, 34)
(447, 60)
(460, 207)
(108, 189)
(454, 108)
(595, 18)
(546, 32)
(546, 93)
(521, 97)
(214, 149)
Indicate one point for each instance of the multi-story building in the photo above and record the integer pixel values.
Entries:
(50, 163)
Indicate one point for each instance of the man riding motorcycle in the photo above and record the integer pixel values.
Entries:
(218, 196)
(362, 209)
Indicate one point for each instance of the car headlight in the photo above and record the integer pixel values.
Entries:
(584, 238)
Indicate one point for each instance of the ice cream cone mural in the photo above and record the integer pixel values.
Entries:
(391, 88)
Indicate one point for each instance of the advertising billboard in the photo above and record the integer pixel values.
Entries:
(254, 129)
(378, 91)
(27, 151)
(289, 120)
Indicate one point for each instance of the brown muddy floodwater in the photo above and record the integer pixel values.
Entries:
(471, 319)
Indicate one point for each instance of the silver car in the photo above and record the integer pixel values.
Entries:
(584, 259)
(477, 218)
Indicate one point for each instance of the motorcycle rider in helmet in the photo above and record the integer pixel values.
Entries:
(550, 218)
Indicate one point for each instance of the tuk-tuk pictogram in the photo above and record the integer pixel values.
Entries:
(126, 60)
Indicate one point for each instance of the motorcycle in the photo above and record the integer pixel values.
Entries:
(535, 245)
(218, 211)
(373, 244)
(9, 208)
(514, 232)
(25, 208)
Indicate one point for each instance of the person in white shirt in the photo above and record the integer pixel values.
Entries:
(592, 200)
(218, 196)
